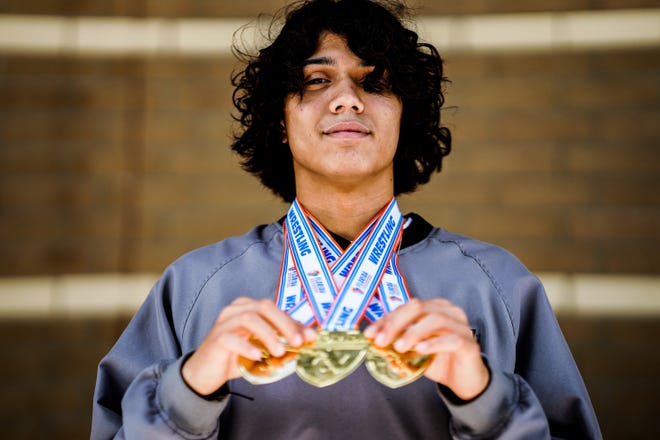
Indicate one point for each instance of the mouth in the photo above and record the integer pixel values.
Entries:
(347, 130)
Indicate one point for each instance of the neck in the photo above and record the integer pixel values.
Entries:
(346, 214)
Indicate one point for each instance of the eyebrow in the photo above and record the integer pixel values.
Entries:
(327, 61)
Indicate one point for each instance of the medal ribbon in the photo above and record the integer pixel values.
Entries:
(319, 283)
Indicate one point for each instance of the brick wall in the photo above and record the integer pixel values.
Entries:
(49, 369)
(213, 8)
(122, 164)
(556, 158)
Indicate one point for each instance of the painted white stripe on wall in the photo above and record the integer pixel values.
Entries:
(603, 294)
(73, 295)
(544, 31)
(497, 32)
(121, 295)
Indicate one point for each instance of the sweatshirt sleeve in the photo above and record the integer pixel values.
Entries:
(536, 389)
(158, 404)
(544, 397)
(544, 362)
(508, 408)
(139, 390)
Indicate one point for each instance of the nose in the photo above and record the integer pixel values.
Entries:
(347, 98)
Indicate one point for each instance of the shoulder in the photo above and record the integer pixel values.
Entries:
(461, 249)
(465, 264)
(490, 257)
(216, 273)
(186, 277)
(214, 256)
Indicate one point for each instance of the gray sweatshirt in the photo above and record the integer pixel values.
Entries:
(535, 390)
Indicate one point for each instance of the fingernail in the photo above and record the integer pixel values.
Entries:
(310, 334)
(278, 351)
(297, 341)
(368, 332)
(399, 345)
(380, 339)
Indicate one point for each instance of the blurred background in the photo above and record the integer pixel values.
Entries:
(115, 121)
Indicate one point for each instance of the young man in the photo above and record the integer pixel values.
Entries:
(340, 114)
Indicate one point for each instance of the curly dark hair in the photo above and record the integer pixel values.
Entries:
(374, 32)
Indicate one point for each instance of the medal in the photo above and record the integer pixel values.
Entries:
(269, 368)
(395, 369)
(319, 284)
(332, 357)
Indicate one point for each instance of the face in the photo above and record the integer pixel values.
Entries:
(340, 134)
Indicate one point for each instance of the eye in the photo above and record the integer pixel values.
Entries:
(376, 82)
(315, 82)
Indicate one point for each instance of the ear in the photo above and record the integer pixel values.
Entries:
(285, 138)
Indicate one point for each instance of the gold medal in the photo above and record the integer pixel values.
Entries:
(333, 356)
(269, 368)
(395, 369)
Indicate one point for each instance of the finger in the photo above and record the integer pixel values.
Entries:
(309, 334)
(431, 325)
(444, 306)
(251, 324)
(410, 309)
(241, 347)
(283, 324)
(391, 325)
(245, 311)
(370, 331)
(243, 304)
(238, 306)
(446, 343)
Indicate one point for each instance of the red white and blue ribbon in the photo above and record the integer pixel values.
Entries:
(320, 284)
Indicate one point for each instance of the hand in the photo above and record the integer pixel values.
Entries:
(216, 359)
(439, 328)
